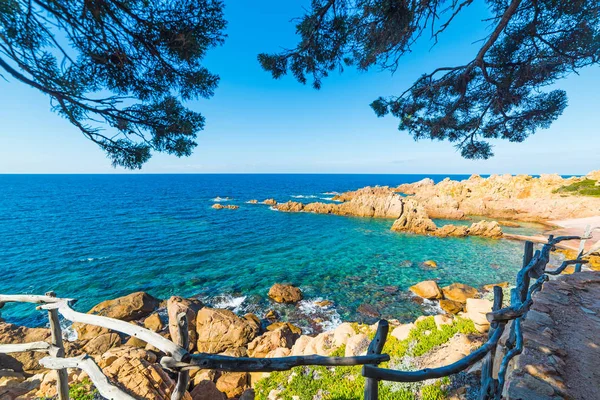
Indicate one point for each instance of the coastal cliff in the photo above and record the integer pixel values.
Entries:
(499, 197)
(520, 197)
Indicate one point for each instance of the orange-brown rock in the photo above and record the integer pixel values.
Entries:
(154, 323)
(219, 330)
(127, 308)
(282, 293)
(413, 219)
(103, 343)
(519, 197)
(143, 379)
(218, 206)
(290, 206)
(459, 292)
(451, 306)
(290, 326)
(270, 202)
(427, 290)
(233, 384)
(490, 229)
(27, 362)
(283, 336)
(177, 305)
(207, 390)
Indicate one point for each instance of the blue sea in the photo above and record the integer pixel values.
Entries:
(97, 237)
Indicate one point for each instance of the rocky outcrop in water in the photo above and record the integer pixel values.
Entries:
(218, 206)
(519, 197)
(282, 293)
(382, 202)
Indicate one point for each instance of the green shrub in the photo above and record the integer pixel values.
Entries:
(83, 390)
(347, 383)
(586, 187)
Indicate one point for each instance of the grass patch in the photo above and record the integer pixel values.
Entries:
(586, 187)
(347, 383)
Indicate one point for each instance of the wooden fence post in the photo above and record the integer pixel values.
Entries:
(183, 377)
(587, 233)
(488, 382)
(376, 347)
(62, 383)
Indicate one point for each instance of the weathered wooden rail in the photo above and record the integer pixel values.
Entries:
(180, 361)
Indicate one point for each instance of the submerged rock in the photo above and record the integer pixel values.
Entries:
(368, 310)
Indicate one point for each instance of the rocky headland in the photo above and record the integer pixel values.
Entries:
(512, 197)
(503, 199)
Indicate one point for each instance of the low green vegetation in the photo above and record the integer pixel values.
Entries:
(586, 187)
(347, 383)
(83, 390)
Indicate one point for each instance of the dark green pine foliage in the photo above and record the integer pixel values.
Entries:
(116, 68)
(500, 93)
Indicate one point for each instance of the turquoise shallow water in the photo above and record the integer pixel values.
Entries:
(95, 237)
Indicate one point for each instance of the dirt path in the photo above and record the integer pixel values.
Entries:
(578, 329)
(561, 341)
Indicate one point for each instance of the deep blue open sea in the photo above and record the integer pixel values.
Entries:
(95, 237)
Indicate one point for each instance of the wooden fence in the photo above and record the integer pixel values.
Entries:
(180, 361)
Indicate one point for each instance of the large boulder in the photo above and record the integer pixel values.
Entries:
(233, 384)
(177, 305)
(282, 293)
(357, 345)
(141, 378)
(127, 308)
(27, 362)
(103, 343)
(459, 292)
(207, 390)
(476, 310)
(342, 333)
(154, 323)
(402, 331)
(451, 306)
(414, 219)
(490, 229)
(322, 344)
(128, 352)
(271, 340)
(219, 330)
(299, 348)
(427, 290)
(289, 206)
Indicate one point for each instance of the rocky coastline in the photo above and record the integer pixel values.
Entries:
(135, 366)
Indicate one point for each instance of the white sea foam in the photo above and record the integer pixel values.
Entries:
(68, 332)
(431, 307)
(330, 319)
(235, 304)
(89, 259)
(331, 193)
(300, 196)
(218, 199)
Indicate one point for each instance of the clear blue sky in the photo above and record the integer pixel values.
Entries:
(256, 124)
